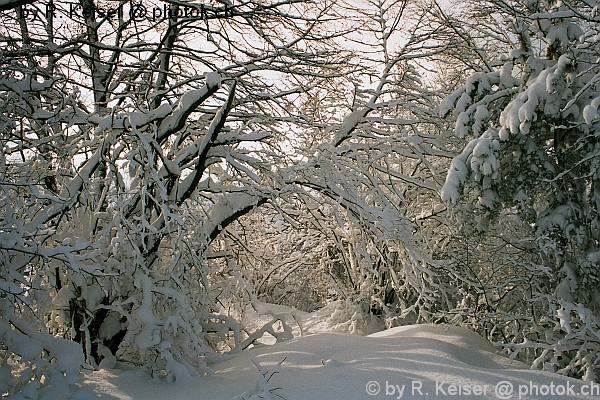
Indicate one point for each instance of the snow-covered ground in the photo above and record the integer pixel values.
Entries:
(408, 362)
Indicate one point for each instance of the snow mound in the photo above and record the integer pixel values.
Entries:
(385, 365)
(451, 342)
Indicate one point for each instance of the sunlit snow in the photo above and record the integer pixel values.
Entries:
(410, 362)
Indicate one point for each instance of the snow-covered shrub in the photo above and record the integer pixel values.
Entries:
(34, 364)
(349, 316)
(571, 343)
(105, 249)
(534, 157)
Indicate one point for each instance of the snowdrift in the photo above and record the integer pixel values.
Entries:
(410, 362)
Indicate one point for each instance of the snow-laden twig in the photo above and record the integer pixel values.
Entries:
(264, 389)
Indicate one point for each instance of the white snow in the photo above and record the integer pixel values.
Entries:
(481, 116)
(462, 121)
(590, 114)
(441, 361)
(506, 78)
(463, 103)
(448, 103)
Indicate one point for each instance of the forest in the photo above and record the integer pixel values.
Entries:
(164, 164)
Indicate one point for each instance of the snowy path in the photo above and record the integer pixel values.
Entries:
(398, 362)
